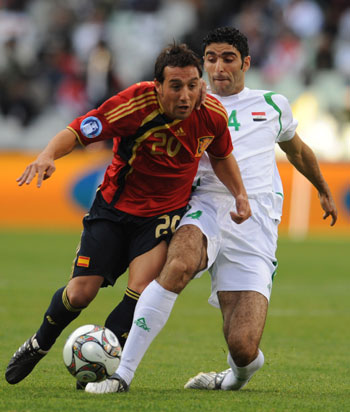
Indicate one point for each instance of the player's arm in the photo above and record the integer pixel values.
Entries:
(44, 165)
(304, 160)
(228, 172)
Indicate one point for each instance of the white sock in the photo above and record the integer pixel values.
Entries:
(240, 376)
(151, 314)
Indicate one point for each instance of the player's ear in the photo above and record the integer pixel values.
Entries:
(158, 86)
(246, 64)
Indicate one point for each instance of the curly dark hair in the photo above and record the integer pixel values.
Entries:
(176, 55)
(228, 35)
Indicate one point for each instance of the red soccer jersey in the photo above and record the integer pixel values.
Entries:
(155, 158)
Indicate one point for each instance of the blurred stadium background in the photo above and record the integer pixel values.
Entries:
(60, 58)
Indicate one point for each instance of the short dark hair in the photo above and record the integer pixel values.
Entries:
(228, 35)
(176, 55)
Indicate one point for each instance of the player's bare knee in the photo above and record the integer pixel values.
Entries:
(176, 274)
(80, 295)
(79, 299)
(81, 290)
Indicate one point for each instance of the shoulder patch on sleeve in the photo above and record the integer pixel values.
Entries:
(91, 127)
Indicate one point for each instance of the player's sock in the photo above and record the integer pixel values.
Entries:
(59, 314)
(119, 320)
(241, 375)
(151, 314)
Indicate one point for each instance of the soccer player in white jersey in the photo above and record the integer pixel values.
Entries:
(241, 258)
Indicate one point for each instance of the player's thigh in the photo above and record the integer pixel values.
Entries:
(146, 267)
(246, 260)
(188, 245)
(244, 314)
(186, 256)
(203, 215)
(149, 239)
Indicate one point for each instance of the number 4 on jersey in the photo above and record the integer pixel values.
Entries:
(232, 120)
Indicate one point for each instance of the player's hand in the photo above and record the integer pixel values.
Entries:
(243, 210)
(202, 95)
(43, 166)
(328, 205)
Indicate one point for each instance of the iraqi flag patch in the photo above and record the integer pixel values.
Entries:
(259, 116)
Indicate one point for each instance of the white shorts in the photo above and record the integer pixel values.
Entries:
(240, 257)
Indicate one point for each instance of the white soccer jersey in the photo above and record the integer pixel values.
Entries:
(242, 257)
(258, 119)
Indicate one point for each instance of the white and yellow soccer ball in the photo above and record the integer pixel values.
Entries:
(92, 353)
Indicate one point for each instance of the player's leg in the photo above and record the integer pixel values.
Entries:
(66, 305)
(145, 268)
(242, 278)
(94, 266)
(186, 256)
(91, 262)
(120, 319)
(244, 315)
(60, 313)
(247, 270)
(146, 254)
(142, 271)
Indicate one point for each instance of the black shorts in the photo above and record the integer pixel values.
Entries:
(111, 239)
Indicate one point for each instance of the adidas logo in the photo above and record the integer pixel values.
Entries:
(180, 132)
(141, 323)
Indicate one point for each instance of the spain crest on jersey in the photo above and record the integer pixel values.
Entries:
(203, 143)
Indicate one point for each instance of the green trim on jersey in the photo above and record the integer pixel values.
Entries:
(275, 264)
(268, 98)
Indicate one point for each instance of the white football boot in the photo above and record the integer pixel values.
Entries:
(111, 385)
(214, 381)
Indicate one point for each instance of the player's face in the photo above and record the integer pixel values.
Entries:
(225, 69)
(179, 91)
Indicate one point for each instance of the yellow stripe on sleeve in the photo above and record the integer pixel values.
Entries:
(76, 135)
(218, 108)
(135, 107)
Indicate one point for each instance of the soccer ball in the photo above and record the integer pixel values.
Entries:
(92, 353)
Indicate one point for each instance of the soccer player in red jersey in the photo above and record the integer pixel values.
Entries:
(159, 137)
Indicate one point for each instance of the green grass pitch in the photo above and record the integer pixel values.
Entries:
(306, 339)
